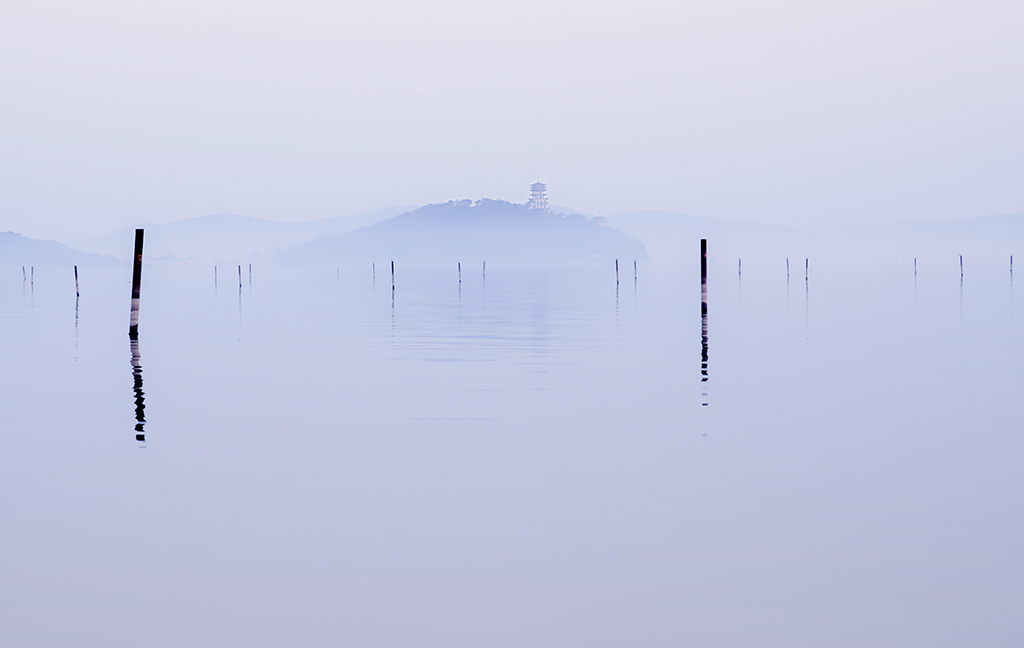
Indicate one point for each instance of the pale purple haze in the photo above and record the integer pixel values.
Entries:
(798, 113)
(376, 401)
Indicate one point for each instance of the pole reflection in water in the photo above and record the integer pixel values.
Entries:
(616, 313)
(915, 293)
(961, 295)
(807, 302)
(787, 297)
(140, 397)
(739, 280)
(704, 321)
(704, 358)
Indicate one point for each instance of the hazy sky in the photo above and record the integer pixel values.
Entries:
(802, 113)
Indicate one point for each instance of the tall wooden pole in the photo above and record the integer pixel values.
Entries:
(133, 328)
(704, 321)
(703, 276)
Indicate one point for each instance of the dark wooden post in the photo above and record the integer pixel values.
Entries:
(133, 328)
(704, 276)
(704, 321)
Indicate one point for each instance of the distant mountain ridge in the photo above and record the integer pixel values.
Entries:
(464, 230)
(670, 237)
(975, 227)
(226, 238)
(16, 250)
(666, 236)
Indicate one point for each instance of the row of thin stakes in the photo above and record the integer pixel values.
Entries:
(239, 275)
(32, 276)
(807, 263)
(373, 267)
(133, 327)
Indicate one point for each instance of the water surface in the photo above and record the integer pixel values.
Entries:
(525, 459)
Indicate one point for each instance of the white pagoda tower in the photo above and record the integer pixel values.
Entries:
(538, 196)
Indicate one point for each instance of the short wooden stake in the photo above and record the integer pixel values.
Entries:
(76, 281)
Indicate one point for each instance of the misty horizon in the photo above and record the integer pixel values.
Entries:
(390, 324)
(788, 113)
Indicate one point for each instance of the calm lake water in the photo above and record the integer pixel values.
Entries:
(530, 460)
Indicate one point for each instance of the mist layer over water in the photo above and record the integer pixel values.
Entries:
(522, 459)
